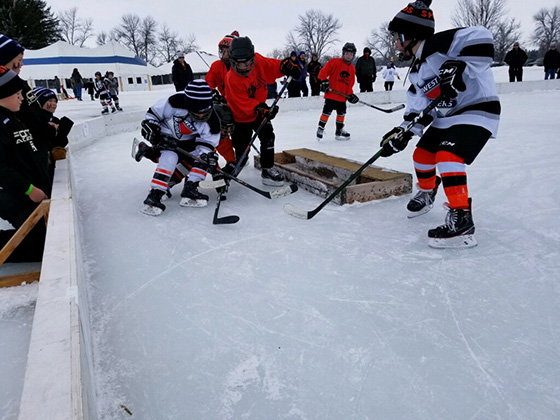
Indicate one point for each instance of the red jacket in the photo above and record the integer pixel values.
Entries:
(245, 93)
(216, 76)
(341, 78)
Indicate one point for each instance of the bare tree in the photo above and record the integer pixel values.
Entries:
(102, 38)
(148, 39)
(487, 13)
(188, 44)
(547, 28)
(382, 43)
(505, 35)
(74, 30)
(129, 33)
(168, 44)
(316, 32)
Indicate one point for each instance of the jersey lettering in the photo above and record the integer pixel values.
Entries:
(24, 136)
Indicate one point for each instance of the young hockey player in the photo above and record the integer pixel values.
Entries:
(338, 74)
(455, 64)
(246, 93)
(216, 78)
(183, 120)
(113, 86)
(102, 92)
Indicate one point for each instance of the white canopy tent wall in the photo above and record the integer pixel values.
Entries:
(60, 58)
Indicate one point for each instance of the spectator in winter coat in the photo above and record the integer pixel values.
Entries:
(303, 64)
(313, 69)
(366, 72)
(389, 75)
(515, 59)
(77, 84)
(551, 62)
(294, 88)
(24, 171)
(57, 84)
(181, 73)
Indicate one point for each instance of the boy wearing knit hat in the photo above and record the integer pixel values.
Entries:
(453, 66)
(184, 120)
(11, 54)
(24, 177)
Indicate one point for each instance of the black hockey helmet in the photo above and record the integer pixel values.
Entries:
(97, 73)
(242, 55)
(349, 47)
(198, 100)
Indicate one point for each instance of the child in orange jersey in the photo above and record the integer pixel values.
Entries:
(246, 93)
(338, 74)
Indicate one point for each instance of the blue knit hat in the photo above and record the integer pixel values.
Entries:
(9, 49)
(10, 82)
(44, 94)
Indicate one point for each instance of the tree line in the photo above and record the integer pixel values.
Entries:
(316, 31)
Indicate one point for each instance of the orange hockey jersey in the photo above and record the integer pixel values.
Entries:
(245, 93)
(216, 76)
(341, 78)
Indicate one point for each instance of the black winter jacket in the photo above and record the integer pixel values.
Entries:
(180, 75)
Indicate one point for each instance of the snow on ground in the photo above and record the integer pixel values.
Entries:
(349, 315)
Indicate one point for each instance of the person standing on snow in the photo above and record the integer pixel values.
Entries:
(246, 92)
(389, 75)
(313, 68)
(456, 64)
(102, 92)
(184, 120)
(181, 72)
(515, 58)
(113, 85)
(551, 62)
(338, 74)
(366, 72)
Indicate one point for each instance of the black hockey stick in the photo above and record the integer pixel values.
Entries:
(238, 166)
(388, 111)
(280, 192)
(301, 214)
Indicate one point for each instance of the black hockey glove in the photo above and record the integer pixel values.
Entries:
(217, 98)
(395, 141)
(353, 99)
(165, 142)
(151, 130)
(290, 68)
(263, 110)
(451, 78)
(324, 86)
(209, 162)
(96, 95)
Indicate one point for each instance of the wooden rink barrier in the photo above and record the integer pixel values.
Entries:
(321, 174)
(42, 211)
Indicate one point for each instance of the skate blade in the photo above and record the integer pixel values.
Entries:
(457, 242)
(413, 214)
(134, 150)
(340, 138)
(151, 210)
(189, 202)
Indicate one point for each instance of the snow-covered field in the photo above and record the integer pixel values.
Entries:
(349, 315)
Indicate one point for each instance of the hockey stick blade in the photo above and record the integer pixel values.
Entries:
(284, 191)
(208, 185)
(297, 212)
(226, 220)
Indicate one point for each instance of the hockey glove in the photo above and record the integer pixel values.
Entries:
(96, 95)
(217, 98)
(425, 121)
(151, 130)
(353, 99)
(451, 78)
(324, 86)
(209, 162)
(290, 68)
(263, 110)
(395, 141)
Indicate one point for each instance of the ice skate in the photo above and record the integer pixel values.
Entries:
(119, 108)
(113, 110)
(342, 135)
(105, 111)
(423, 201)
(191, 197)
(271, 177)
(457, 232)
(139, 149)
(152, 204)
(320, 133)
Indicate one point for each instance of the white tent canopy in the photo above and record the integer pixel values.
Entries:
(199, 61)
(61, 58)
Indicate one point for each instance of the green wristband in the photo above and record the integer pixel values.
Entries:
(29, 190)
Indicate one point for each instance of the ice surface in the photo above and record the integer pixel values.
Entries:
(349, 315)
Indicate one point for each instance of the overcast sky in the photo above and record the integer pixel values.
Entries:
(268, 23)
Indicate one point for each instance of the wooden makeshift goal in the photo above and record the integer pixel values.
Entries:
(42, 211)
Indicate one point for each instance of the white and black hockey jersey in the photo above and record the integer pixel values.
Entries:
(478, 104)
(175, 121)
